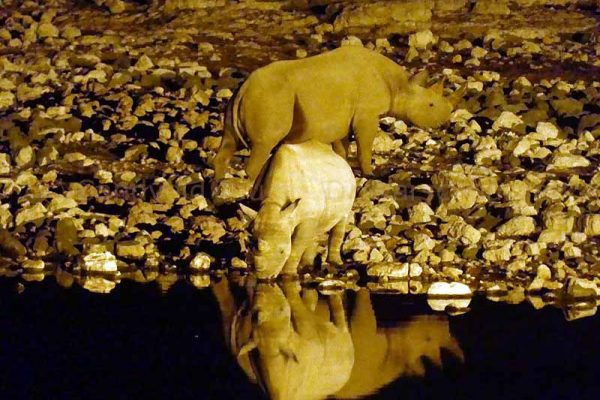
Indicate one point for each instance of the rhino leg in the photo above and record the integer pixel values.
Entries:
(336, 238)
(308, 258)
(226, 150)
(303, 236)
(341, 147)
(365, 129)
(258, 159)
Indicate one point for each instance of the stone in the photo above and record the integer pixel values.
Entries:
(592, 225)
(578, 288)
(101, 261)
(494, 7)
(230, 190)
(383, 13)
(201, 262)
(7, 100)
(422, 40)
(67, 236)
(33, 265)
(10, 245)
(517, 226)
(506, 120)
(442, 296)
(47, 30)
(420, 213)
(167, 194)
(131, 249)
(4, 164)
(31, 214)
(567, 161)
(144, 63)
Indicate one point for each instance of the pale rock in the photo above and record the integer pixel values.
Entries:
(238, 263)
(571, 251)
(25, 157)
(517, 226)
(46, 30)
(7, 100)
(422, 40)
(102, 261)
(201, 262)
(551, 236)
(498, 254)
(420, 213)
(131, 249)
(546, 130)
(494, 7)
(578, 237)
(4, 164)
(578, 288)
(543, 275)
(592, 225)
(34, 213)
(167, 194)
(566, 161)
(383, 143)
(230, 190)
(486, 157)
(144, 63)
(506, 120)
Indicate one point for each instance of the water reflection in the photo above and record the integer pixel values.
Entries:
(298, 344)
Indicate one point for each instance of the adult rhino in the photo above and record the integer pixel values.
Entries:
(324, 97)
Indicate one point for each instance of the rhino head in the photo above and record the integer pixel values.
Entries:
(426, 106)
(273, 229)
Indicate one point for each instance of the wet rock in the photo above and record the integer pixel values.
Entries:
(517, 226)
(10, 245)
(131, 249)
(579, 288)
(230, 190)
(101, 261)
(201, 262)
(97, 284)
(394, 270)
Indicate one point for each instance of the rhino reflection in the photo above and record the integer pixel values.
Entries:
(299, 346)
(383, 355)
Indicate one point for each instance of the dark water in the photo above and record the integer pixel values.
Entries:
(137, 343)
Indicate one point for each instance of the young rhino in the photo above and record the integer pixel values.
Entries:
(324, 97)
(308, 191)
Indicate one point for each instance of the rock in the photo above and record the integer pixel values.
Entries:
(46, 30)
(420, 213)
(4, 164)
(494, 7)
(422, 40)
(230, 190)
(442, 296)
(167, 194)
(10, 245)
(33, 265)
(458, 229)
(101, 261)
(144, 63)
(71, 32)
(372, 218)
(7, 100)
(567, 161)
(546, 131)
(201, 262)
(592, 225)
(506, 120)
(517, 226)
(500, 252)
(25, 157)
(542, 279)
(394, 270)
(131, 249)
(97, 284)
(374, 189)
(578, 288)
(383, 13)
(32, 214)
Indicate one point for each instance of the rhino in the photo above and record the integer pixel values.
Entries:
(308, 192)
(297, 347)
(324, 97)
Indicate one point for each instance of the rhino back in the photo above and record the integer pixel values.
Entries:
(311, 171)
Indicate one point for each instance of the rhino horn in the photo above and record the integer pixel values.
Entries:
(458, 94)
(247, 211)
(420, 78)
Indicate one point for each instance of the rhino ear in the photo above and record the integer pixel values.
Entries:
(290, 210)
(438, 87)
(247, 348)
(248, 212)
(457, 96)
(288, 354)
(420, 78)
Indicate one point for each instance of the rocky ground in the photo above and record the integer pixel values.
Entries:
(109, 114)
